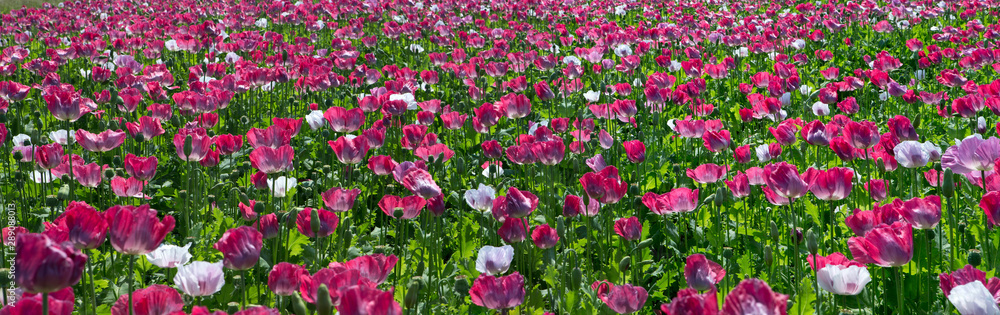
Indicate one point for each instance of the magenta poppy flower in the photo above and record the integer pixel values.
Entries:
(689, 302)
(990, 203)
(240, 247)
(127, 187)
(152, 300)
(707, 173)
(435, 152)
(703, 274)
(544, 236)
(416, 179)
(784, 179)
(381, 164)
(339, 199)
(629, 228)
(605, 186)
(49, 156)
(363, 300)
(102, 142)
(833, 184)
(409, 205)
(344, 120)
(742, 154)
(922, 213)
(327, 222)
(876, 189)
(136, 230)
(513, 230)
(519, 203)
(228, 144)
(622, 299)
(498, 293)
(44, 266)
(334, 280)
(678, 200)
(716, 141)
(739, 186)
(89, 175)
(200, 144)
(273, 137)
(141, 168)
(60, 302)
(784, 133)
(548, 152)
(373, 267)
(885, 245)
(861, 135)
(268, 225)
(87, 228)
(284, 278)
(65, 103)
(754, 296)
(350, 149)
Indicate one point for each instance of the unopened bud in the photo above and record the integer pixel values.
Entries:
(324, 303)
(768, 255)
(298, 305)
(811, 243)
(975, 257)
(948, 184)
(625, 264)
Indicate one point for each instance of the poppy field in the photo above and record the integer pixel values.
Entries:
(252, 157)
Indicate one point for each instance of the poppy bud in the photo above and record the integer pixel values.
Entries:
(768, 255)
(720, 198)
(63, 192)
(948, 185)
(575, 279)
(560, 226)
(796, 235)
(811, 242)
(174, 120)
(298, 305)
(412, 294)
(314, 220)
(645, 243)
(462, 285)
(324, 304)
(188, 145)
(975, 257)
(325, 133)
(625, 263)
(774, 232)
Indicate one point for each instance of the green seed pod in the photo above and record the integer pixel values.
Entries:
(775, 235)
(109, 173)
(18, 155)
(183, 194)
(462, 285)
(811, 243)
(314, 221)
(768, 255)
(298, 305)
(139, 138)
(727, 252)
(324, 304)
(625, 264)
(459, 164)
(326, 169)
(233, 307)
(948, 184)
(576, 277)
(51, 201)
(175, 120)
(259, 207)
(398, 213)
(224, 177)
(210, 197)
(325, 133)
(633, 190)
(244, 120)
(975, 257)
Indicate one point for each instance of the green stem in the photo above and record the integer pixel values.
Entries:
(131, 284)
